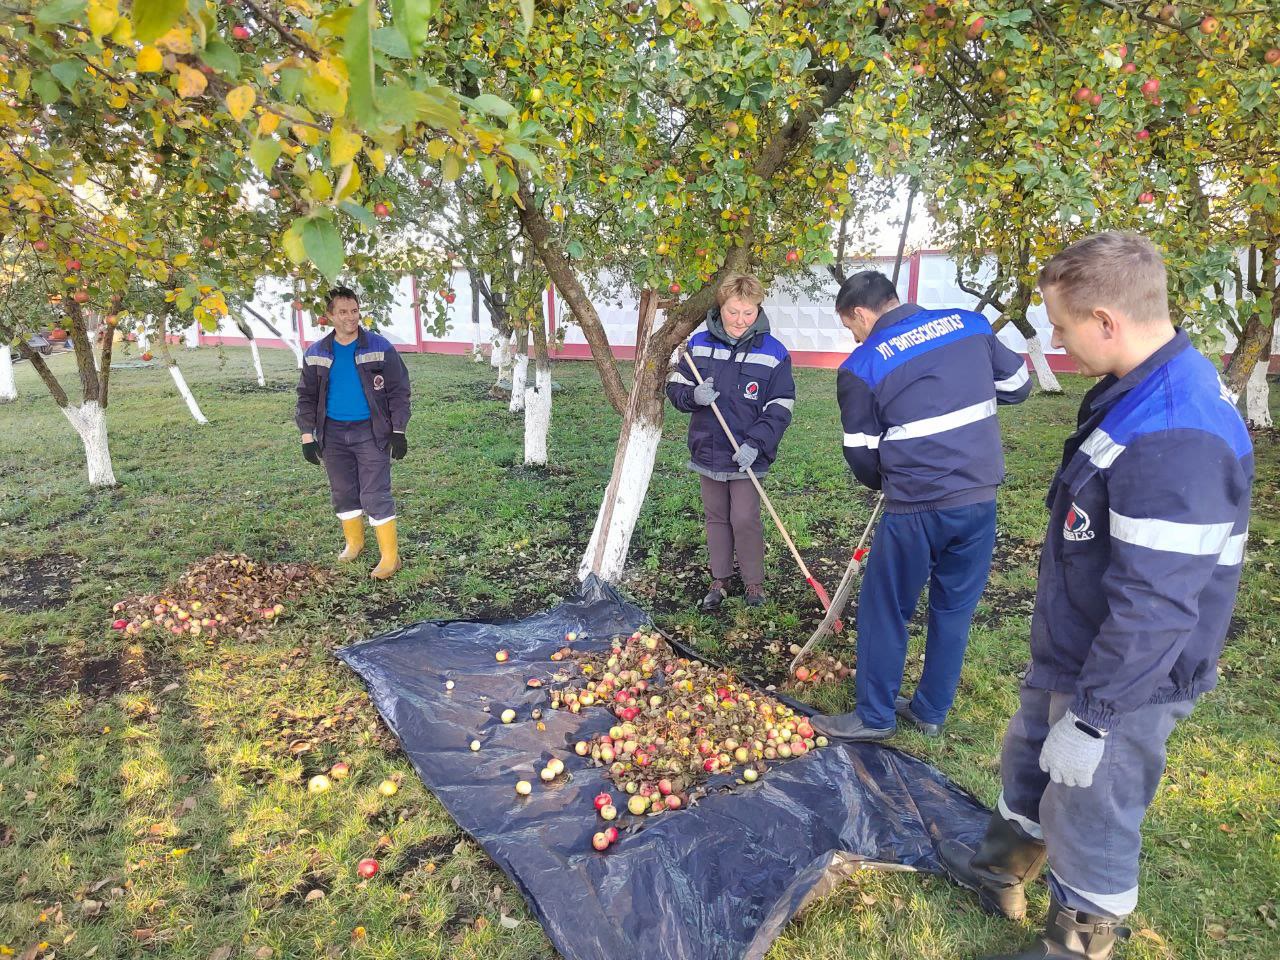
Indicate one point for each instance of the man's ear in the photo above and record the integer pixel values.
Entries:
(1107, 320)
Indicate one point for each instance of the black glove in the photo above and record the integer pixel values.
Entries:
(311, 452)
(399, 446)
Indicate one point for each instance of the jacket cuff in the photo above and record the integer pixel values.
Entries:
(1093, 713)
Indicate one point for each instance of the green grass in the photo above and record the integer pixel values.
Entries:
(95, 784)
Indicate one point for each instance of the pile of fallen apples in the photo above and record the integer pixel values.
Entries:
(224, 594)
(680, 722)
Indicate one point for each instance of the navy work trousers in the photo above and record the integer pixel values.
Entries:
(359, 472)
(950, 550)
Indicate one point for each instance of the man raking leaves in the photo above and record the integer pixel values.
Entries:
(918, 404)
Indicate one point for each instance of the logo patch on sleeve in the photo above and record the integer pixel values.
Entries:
(378, 382)
(1077, 525)
(752, 390)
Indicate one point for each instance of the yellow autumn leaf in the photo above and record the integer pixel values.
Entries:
(292, 242)
(123, 33)
(378, 159)
(320, 186)
(344, 144)
(103, 16)
(267, 124)
(149, 60)
(191, 83)
(352, 183)
(240, 101)
(178, 40)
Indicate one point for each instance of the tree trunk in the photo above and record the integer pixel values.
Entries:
(191, 336)
(257, 362)
(1255, 338)
(1254, 342)
(90, 423)
(538, 229)
(1257, 403)
(290, 340)
(1045, 376)
(178, 379)
(8, 385)
(637, 450)
(477, 353)
(537, 401)
(1017, 313)
(520, 371)
(633, 462)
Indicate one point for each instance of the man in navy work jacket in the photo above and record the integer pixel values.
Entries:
(749, 371)
(353, 408)
(918, 404)
(1148, 516)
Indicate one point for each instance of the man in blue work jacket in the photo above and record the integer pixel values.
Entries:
(353, 410)
(1148, 517)
(918, 404)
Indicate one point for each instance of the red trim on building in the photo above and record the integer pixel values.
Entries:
(913, 284)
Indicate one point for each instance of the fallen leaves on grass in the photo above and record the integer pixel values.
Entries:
(225, 593)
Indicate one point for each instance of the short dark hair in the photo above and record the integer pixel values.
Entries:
(867, 288)
(340, 293)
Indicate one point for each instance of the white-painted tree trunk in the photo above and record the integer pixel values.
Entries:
(8, 385)
(1257, 396)
(181, 382)
(477, 351)
(632, 485)
(497, 351)
(257, 362)
(144, 341)
(537, 419)
(90, 423)
(191, 336)
(519, 379)
(296, 347)
(1040, 364)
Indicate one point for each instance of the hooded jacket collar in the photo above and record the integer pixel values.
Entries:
(715, 327)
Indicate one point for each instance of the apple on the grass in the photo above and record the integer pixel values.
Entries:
(367, 867)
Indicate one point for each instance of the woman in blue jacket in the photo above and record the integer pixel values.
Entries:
(747, 372)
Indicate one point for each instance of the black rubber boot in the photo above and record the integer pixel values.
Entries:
(715, 597)
(1005, 860)
(1071, 935)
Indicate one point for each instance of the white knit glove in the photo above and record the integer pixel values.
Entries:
(1070, 756)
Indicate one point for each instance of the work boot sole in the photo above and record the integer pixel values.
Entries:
(1009, 902)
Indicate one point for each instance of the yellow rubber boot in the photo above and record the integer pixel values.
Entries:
(390, 562)
(353, 530)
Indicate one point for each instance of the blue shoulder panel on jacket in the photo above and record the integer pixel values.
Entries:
(376, 341)
(1185, 394)
(773, 347)
(886, 350)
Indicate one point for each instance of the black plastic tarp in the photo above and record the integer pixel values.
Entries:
(716, 880)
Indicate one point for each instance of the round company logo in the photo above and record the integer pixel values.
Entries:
(752, 390)
(378, 382)
(1076, 526)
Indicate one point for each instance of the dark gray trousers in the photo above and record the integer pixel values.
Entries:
(1092, 834)
(732, 508)
(359, 472)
